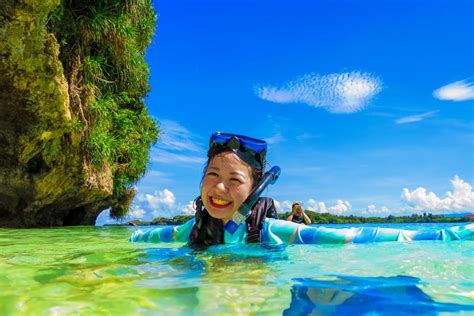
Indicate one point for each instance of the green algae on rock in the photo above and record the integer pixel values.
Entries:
(74, 131)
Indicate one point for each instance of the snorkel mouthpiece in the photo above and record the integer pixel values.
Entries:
(270, 177)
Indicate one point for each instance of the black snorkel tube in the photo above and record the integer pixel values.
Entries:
(270, 177)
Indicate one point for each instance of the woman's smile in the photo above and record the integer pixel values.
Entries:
(219, 203)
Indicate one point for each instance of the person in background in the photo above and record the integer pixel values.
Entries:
(298, 215)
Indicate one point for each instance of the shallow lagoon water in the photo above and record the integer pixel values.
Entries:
(95, 270)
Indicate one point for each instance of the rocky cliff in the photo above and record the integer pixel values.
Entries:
(74, 132)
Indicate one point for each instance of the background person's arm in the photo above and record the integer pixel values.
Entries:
(306, 218)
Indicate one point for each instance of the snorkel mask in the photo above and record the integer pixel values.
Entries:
(253, 152)
(250, 150)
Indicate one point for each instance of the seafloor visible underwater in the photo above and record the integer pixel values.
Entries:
(95, 270)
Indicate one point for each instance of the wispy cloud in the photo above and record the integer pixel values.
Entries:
(416, 118)
(456, 91)
(163, 156)
(306, 136)
(337, 93)
(156, 174)
(177, 145)
(275, 139)
(176, 137)
(303, 170)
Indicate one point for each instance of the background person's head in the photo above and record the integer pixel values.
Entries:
(297, 208)
(235, 165)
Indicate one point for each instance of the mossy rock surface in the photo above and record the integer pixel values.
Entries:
(47, 174)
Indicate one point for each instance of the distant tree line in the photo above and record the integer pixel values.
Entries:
(327, 218)
(177, 220)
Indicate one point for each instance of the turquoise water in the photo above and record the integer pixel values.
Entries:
(95, 270)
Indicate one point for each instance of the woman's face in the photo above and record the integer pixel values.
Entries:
(226, 185)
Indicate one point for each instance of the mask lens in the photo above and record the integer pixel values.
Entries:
(252, 144)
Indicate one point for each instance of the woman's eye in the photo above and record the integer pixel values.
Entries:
(212, 174)
(236, 180)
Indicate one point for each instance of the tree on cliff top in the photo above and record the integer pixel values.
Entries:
(102, 47)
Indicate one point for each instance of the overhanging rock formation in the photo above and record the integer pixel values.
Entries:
(46, 178)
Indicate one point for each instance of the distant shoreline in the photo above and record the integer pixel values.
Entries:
(326, 218)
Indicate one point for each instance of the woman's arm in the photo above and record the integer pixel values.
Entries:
(306, 218)
(289, 232)
(164, 234)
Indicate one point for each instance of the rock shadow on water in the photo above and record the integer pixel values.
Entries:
(398, 295)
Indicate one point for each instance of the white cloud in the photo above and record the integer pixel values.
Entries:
(372, 210)
(460, 200)
(340, 208)
(337, 93)
(189, 209)
(415, 118)
(322, 207)
(149, 206)
(456, 91)
(316, 206)
(164, 198)
(160, 204)
(284, 206)
(136, 213)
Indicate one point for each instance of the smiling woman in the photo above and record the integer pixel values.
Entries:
(229, 211)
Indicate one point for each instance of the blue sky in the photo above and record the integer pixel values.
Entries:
(367, 106)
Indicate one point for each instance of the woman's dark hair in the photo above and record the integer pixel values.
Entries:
(207, 230)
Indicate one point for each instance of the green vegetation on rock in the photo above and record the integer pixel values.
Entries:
(102, 51)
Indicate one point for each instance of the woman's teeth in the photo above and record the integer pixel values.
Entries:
(219, 201)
